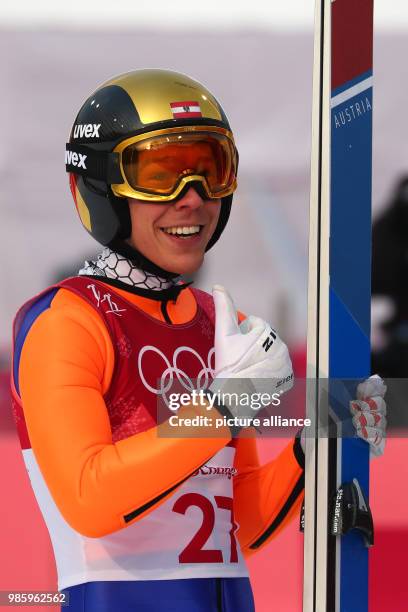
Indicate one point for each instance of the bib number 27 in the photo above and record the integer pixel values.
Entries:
(194, 551)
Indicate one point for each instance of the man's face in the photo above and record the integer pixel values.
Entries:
(174, 235)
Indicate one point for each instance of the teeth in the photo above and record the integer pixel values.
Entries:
(185, 230)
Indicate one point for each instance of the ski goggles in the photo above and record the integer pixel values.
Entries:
(157, 166)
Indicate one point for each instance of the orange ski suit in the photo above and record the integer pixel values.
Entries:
(66, 367)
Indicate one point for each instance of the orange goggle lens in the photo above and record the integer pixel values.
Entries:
(158, 164)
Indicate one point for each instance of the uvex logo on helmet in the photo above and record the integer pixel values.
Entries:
(86, 130)
(75, 159)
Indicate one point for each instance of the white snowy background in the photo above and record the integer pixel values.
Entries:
(257, 59)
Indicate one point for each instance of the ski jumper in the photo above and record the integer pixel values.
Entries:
(140, 517)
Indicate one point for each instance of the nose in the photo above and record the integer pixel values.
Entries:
(191, 200)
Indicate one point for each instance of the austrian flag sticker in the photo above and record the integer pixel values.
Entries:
(185, 110)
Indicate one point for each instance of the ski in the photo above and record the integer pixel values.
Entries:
(337, 521)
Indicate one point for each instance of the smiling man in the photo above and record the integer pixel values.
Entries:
(140, 517)
(175, 236)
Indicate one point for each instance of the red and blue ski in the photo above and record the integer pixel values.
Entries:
(350, 273)
(338, 524)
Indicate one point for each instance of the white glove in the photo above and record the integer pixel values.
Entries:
(369, 410)
(251, 350)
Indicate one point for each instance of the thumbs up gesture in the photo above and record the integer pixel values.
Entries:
(251, 352)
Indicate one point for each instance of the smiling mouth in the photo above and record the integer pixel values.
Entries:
(183, 231)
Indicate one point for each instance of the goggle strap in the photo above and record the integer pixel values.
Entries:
(99, 165)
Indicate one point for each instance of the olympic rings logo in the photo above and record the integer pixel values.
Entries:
(172, 371)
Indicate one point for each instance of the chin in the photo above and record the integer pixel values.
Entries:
(185, 267)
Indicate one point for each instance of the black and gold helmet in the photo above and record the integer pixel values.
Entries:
(129, 124)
